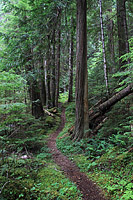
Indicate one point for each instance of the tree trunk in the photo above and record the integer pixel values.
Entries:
(53, 83)
(37, 108)
(122, 31)
(104, 55)
(42, 86)
(71, 54)
(81, 57)
(47, 67)
(34, 92)
(86, 106)
(58, 58)
(110, 28)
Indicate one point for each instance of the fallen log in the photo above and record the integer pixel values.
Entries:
(107, 105)
(47, 112)
(97, 113)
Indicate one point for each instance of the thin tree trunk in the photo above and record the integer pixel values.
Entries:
(48, 74)
(53, 83)
(58, 59)
(81, 57)
(71, 54)
(86, 106)
(103, 45)
(122, 31)
(42, 86)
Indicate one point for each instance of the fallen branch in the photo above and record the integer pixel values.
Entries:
(3, 186)
(28, 155)
(47, 112)
(99, 125)
(13, 132)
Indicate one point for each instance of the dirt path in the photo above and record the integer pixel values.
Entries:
(89, 189)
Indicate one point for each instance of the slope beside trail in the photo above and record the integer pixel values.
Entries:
(89, 189)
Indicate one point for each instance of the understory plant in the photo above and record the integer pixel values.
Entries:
(27, 170)
(106, 158)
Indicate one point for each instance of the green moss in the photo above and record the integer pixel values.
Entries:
(55, 185)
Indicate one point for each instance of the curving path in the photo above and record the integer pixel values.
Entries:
(89, 189)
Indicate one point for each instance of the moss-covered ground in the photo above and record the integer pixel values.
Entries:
(27, 170)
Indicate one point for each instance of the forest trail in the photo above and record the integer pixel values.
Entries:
(89, 189)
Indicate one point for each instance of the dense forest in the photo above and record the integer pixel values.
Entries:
(66, 64)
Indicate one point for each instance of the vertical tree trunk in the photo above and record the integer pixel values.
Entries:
(58, 58)
(110, 28)
(122, 30)
(104, 56)
(53, 83)
(81, 66)
(37, 109)
(34, 92)
(42, 86)
(86, 105)
(71, 54)
(48, 74)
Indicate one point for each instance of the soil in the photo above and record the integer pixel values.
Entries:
(88, 188)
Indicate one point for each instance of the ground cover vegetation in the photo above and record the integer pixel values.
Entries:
(53, 52)
(105, 158)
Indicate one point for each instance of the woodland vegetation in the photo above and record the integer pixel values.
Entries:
(77, 54)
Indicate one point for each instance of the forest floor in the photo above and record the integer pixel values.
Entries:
(88, 188)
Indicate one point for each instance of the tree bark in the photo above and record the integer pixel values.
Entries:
(122, 31)
(53, 83)
(37, 108)
(103, 45)
(81, 57)
(71, 54)
(110, 28)
(58, 59)
(34, 92)
(42, 85)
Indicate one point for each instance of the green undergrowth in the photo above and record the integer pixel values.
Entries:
(27, 170)
(106, 159)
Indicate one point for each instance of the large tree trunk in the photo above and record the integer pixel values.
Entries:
(71, 54)
(110, 27)
(97, 114)
(122, 30)
(81, 57)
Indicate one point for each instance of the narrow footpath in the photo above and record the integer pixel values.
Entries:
(89, 189)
